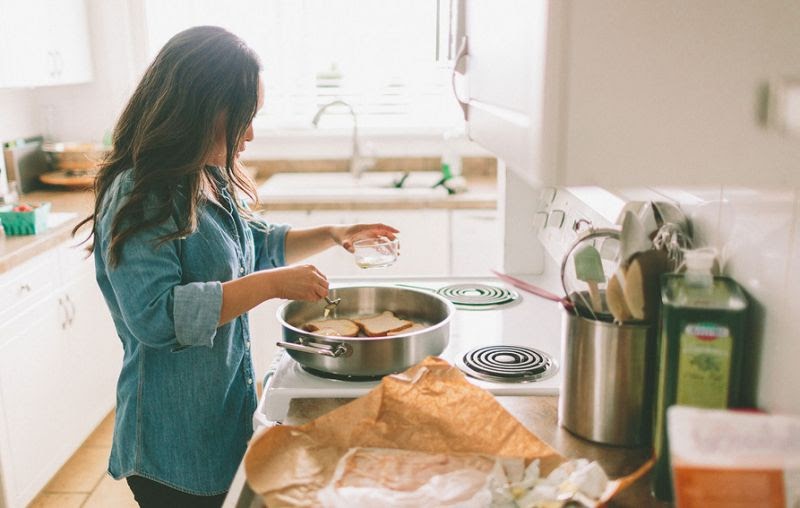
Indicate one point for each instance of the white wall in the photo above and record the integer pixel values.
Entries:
(18, 114)
(85, 112)
(757, 230)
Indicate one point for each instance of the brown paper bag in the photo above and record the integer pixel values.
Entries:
(430, 407)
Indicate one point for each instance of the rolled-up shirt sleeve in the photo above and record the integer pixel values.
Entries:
(157, 307)
(269, 242)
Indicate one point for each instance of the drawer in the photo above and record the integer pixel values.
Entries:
(23, 285)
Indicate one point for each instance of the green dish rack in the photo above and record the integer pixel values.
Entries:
(24, 223)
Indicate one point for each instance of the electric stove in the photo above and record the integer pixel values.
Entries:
(504, 340)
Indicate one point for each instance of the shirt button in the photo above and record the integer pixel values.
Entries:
(241, 269)
(249, 380)
(247, 344)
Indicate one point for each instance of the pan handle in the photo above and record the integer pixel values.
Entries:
(307, 345)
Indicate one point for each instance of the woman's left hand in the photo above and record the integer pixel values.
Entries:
(347, 234)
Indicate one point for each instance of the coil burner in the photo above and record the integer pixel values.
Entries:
(478, 296)
(508, 364)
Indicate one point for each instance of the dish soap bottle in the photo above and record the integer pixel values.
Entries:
(702, 328)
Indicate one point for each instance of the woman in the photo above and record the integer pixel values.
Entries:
(180, 261)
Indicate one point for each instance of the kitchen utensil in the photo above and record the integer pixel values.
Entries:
(633, 237)
(608, 380)
(615, 297)
(642, 283)
(331, 306)
(644, 211)
(668, 213)
(673, 239)
(530, 288)
(589, 269)
(569, 278)
(367, 356)
(375, 252)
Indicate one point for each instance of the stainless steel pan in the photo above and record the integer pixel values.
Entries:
(367, 356)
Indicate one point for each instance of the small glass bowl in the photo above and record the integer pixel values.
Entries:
(375, 252)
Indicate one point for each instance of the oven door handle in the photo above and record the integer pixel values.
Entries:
(307, 345)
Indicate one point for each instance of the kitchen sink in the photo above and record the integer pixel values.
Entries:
(342, 185)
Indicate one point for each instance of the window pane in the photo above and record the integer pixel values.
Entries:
(377, 55)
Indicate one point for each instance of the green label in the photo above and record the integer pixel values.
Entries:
(704, 365)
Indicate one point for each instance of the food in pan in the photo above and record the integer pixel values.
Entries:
(333, 327)
(382, 324)
(379, 325)
(416, 327)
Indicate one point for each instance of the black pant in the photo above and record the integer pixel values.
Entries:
(151, 494)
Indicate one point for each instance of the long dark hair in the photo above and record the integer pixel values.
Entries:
(166, 132)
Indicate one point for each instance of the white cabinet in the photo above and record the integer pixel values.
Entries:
(59, 358)
(511, 80)
(31, 373)
(621, 93)
(44, 42)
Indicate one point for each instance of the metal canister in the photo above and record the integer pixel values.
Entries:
(608, 380)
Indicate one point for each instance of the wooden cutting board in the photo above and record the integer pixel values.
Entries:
(63, 180)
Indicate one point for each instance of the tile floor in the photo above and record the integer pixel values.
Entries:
(83, 482)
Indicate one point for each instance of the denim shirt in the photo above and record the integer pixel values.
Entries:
(185, 395)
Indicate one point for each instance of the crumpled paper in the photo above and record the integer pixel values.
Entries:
(430, 407)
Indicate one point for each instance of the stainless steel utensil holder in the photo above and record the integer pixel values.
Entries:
(608, 380)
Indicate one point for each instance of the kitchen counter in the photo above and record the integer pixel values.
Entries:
(481, 194)
(15, 250)
(538, 414)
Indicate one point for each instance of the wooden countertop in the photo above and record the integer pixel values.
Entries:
(15, 250)
(538, 414)
(481, 194)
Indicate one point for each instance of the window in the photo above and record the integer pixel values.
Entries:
(377, 55)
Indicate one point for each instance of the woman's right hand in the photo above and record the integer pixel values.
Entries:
(298, 282)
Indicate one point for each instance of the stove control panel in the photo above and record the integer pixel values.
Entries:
(566, 211)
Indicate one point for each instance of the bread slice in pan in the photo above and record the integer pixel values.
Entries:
(382, 324)
(333, 327)
(415, 327)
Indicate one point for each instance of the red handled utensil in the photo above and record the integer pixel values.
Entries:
(536, 290)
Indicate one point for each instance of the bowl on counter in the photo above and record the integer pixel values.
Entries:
(71, 156)
(72, 164)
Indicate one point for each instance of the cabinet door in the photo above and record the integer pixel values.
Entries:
(31, 378)
(95, 353)
(668, 92)
(93, 360)
(512, 80)
(26, 59)
(44, 42)
(69, 41)
(475, 242)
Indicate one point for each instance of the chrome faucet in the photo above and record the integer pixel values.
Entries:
(358, 164)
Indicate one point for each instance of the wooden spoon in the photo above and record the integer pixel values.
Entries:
(642, 287)
(615, 298)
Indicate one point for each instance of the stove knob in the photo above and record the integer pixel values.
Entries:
(556, 219)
